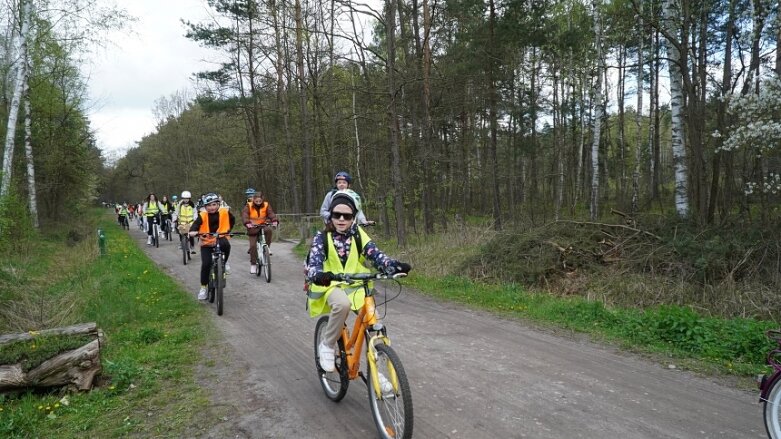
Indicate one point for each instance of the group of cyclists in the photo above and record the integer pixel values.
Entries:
(342, 247)
(343, 238)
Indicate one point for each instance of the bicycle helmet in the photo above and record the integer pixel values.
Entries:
(173, 197)
(249, 192)
(211, 197)
(342, 197)
(343, 175)
(187, 194)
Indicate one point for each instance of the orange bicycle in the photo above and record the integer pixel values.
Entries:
(390, 397)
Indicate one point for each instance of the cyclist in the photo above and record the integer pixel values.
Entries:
(166, 208)
(256, 213)
(151, 211)
(213, 219)
(185, 214)
(342, 182)
(341, 248)
(249, 193)
(122, 214)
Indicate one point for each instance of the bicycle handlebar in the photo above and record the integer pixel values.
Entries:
(218, 234)
(365, 277)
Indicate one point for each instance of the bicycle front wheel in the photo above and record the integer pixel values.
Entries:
(391, 405)
(267, 263)
(772, 411)
(219, 284)
(184, 242)
(334, 383)
(259, 251)
(156, 235)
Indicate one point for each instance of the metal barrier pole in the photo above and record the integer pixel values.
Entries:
(102, 242)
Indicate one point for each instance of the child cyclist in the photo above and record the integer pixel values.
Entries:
(213, 219)
(342, 182)
(254, 216)
(185, 214)
(341, 248)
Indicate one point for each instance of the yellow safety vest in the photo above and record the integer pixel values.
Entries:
(186, 214)
(317, 295)
(152, 209)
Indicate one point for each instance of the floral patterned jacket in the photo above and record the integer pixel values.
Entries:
(342, 244)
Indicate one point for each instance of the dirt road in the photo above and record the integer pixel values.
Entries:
(473, 375)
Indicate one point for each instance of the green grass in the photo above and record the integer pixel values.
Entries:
(154, 334)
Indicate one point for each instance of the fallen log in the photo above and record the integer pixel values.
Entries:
(74, 368)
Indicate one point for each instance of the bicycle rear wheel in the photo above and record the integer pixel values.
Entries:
(392, 411)
(334, 383)
(267, 263)
(772, 411)
(219, 284)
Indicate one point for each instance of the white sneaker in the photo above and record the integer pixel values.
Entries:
(385, 385)
(148, 240)
(326, 357)
(202, 293)
(253, 269)
(227, 268)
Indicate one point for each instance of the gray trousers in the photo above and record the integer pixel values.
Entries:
(340, 309)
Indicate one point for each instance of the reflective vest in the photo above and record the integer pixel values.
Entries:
(317, 295)
(257, 216)
(186, 214)
(123, 210)
(164, 208)
(152, 209)
(222, 227)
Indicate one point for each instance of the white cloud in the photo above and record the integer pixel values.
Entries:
(151, 61)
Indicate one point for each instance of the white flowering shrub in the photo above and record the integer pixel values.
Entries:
(756, 129)
(756, 120)
(770, 185)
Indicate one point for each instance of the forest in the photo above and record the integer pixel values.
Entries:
(519, 112)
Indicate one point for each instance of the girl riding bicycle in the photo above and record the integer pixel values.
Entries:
(151, 212)
(213, 219)
(341, 248)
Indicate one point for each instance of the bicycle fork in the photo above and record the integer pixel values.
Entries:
(370, 319)
(371, 357)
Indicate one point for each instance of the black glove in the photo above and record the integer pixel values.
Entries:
(323, 278)
(398, 267)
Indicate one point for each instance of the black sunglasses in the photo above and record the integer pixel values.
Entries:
(341, 215)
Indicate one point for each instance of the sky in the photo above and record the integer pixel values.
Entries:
(151, 60)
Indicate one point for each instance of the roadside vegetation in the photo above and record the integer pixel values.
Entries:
(698, 299)
(154, 335)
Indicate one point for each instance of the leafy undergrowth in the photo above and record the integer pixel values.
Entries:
(154, 332)
(701, 297)
(726, 271)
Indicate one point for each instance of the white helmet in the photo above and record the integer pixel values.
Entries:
(187, 194)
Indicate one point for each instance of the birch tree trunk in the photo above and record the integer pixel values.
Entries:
(594, 205)
(671, 13)
(28, 149)
(13, 112)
